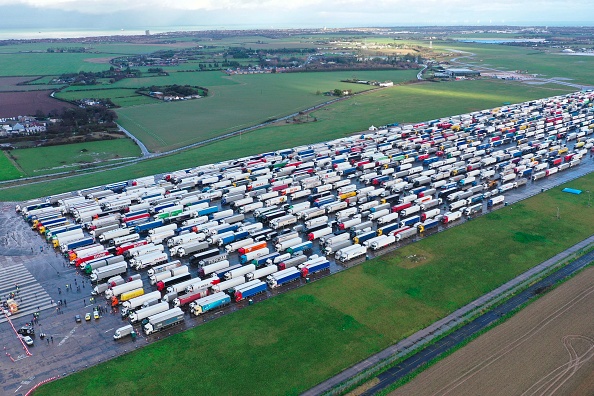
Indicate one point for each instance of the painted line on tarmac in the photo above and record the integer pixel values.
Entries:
(67, 337)
(17, 389)
(109, 330)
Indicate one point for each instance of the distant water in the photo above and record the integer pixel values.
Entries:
(28, 34)
(500, 41)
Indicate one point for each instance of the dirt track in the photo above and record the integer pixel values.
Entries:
(546, 349)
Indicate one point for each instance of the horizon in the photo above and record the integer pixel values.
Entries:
(111, 15)
(74, 33)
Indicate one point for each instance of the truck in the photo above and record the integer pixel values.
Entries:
(135, 302)
(209, 303)
(165, 283)
(222, 286)
(473, 209)
(143, 313)
(181, 286)
(128, 295)
(111, 282)
(282, 277)
(89, 266)
(123, 332)
(382, 243)
(260, 273)
(333, 248)
(148, 260)
(108, 271)
(117, 233)
(190, 248)
(81, 261)
(118, 290)
(187, 298)
(211, 268)
(310, 269)
(301, 247)
(351, 253)
(163, 320)
(451, 216)
(427, 225)
(499, 199)
(248, 290)
(247, 257)
(164, 267)
(120, 250)
(239, 272)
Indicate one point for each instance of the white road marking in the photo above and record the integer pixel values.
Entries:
(67, 337)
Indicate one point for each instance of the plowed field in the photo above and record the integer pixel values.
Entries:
(546, 349)
(13, 104)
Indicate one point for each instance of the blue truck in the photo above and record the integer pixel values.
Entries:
(283, 277)
(249, 289)
(209, 303)
(314, 268)
(148, 226)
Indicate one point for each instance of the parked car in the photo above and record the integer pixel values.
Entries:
(96, 314)
(28, 340)
(77, 318)
(88, 316)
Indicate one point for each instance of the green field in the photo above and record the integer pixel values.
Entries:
(37, 64)
(46, 160)
(288, 344)
(549, 64)
(252, 100)
(120, 96)
(7, 170)
(417, 102)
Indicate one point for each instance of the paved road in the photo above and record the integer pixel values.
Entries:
(143, 149)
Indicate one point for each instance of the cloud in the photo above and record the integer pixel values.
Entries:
(365, 6)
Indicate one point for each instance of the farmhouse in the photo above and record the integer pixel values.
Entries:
(20, 126)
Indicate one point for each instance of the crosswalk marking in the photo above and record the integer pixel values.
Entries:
(31, 295)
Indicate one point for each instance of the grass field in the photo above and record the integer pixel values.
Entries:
(52, 159)
(549, 64)
(120, 96)
(36, 64)
(289, 343)
(251, 100)
(339, 120)
(7, 170)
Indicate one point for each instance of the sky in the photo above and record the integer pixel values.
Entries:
(229, 14)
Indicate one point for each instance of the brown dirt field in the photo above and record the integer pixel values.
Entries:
(13, 104)
(10, 83)
(545, 349)
(100, 60)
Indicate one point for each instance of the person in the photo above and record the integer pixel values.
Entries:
(52, 338)
(59, 291)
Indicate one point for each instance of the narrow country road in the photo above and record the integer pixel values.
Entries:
(143, 149)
